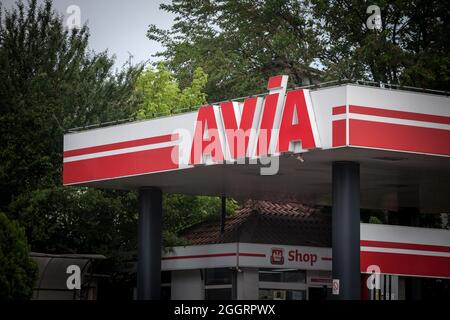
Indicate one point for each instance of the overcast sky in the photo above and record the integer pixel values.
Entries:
(120, 26)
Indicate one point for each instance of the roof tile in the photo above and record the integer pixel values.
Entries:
(267, 222)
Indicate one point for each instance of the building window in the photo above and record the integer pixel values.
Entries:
(282, 275)
(282, 284)
(218, 284)
(218, 276)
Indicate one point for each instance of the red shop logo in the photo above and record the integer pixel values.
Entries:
(277, 256)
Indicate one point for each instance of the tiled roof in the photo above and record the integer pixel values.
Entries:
(268, 222)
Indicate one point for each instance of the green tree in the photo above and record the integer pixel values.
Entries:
(49, 82)
(78, 220)
(239, 44)
(410, 48)
(162, 94)
(17, 271)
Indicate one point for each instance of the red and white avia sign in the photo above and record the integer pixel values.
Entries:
(255, 127)
(258, 127)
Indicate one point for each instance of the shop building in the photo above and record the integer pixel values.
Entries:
(283, 251)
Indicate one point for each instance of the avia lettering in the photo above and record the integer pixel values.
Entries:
(255, 128)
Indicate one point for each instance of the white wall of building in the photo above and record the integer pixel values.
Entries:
(247, 284)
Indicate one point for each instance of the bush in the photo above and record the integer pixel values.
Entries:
(17, 270)
(374, 220)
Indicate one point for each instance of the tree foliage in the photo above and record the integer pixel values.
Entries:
(78, 220)
(240, 44)
(161, 93)
(49, 82)
(182, 211)
(411, 48)
(17, 270)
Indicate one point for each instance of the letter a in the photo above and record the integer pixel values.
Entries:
(206, 140)
(74, 280)
(296, 123)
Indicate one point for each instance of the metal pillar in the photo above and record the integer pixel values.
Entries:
(346, 229)
(149, 244)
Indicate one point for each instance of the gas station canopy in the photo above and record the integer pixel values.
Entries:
(280, 147)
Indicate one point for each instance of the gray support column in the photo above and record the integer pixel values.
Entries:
(346, 229)
(149, 244)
